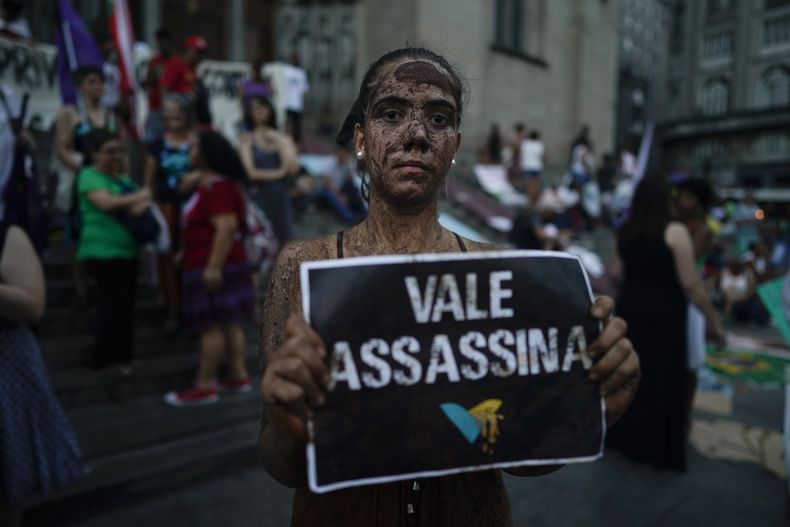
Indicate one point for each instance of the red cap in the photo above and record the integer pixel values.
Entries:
(196, 42)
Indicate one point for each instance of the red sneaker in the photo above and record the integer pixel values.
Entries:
(228, 385)
(193, 396)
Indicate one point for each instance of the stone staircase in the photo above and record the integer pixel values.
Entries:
(133, 443)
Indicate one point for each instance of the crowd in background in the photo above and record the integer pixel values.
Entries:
(215, 213)
(212, 211)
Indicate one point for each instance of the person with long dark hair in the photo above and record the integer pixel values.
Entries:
(659, 279)
(269, 156)
(405, 128)
(218, 290)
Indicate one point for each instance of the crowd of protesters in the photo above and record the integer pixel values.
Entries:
(212, 213)
(197, 201)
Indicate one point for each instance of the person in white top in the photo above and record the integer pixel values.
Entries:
(9, 110)
(533, 156)
(738, 286)
(628, 164)
(12, 24)
(296, 86)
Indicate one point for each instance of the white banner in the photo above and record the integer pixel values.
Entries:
(27, 68)
(31, 69)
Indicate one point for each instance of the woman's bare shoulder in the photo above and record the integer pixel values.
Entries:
(297, 252)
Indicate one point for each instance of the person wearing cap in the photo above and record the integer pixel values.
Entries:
(180, 75)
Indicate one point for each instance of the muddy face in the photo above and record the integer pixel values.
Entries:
(410, 134)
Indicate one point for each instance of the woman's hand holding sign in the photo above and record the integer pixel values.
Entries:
(616, 363)
(295, 380)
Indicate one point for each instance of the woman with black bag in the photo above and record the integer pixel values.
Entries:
(114, 214)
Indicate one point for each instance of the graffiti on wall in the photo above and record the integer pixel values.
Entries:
(31, 69)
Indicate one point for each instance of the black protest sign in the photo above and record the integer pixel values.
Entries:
(448, 363)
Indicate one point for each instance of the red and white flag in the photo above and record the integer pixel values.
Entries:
(123, 35)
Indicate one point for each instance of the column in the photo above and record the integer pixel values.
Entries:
(235, 30)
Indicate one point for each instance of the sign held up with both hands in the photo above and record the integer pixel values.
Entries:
(445, 363)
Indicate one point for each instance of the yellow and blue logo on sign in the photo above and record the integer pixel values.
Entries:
(481, 420)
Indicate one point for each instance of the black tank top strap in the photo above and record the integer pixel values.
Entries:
(340, 245)
(461, 243)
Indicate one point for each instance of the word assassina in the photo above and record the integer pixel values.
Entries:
(472, 356)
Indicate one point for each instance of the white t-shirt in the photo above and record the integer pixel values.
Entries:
(7, 140)
(628, 164)
(18, 27)
(112, 86)
(582, 161)
(735, 287)
(532, 155)
(295, 87)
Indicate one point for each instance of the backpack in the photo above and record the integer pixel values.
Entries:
(260, 241)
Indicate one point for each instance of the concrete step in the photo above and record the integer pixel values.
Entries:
(66, 351)
(112, 428)
(68, 320)
(61, 292)
(117, 479)
(155, 375)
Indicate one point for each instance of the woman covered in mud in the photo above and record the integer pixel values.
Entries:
(405, 126)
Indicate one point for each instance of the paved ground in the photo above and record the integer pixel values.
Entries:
(611, 492)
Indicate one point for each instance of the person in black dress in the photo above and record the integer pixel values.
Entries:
(659, 278)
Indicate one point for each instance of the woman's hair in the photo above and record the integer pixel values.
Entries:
(184, 104)
(650, 210)
(220, 156)
(249, 121)
(534, 135)
(96, 138)
(83, 72)
(358, 111)
(700, 188)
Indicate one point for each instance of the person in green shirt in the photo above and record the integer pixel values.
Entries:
(108, 249)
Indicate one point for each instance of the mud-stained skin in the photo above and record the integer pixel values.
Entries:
(409, 118)
(412, 116)
(421, 72)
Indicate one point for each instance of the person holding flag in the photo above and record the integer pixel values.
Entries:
(79, 70)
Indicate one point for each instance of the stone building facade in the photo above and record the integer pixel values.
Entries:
(728, 94)
(642, 68)
(234, 29)
(551, 65)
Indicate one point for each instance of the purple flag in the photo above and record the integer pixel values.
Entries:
(76, 48)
